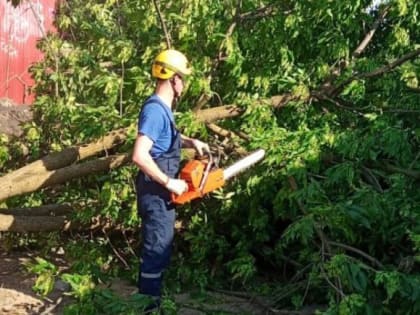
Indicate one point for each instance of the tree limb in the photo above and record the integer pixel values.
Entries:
(414, 89)
(45, 210)
(359, 252)
(226, 133)
(364, 43)
(162, 22)
(393, 168)
(71, 155)
(25, 224)
(32, 183)
(377, 72)
(258, 13)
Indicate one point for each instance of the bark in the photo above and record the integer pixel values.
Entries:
(229, 111)
(394, 169)
(45, 210)
(25, 224)
(19, 185)
(362, 46)
(71, 155)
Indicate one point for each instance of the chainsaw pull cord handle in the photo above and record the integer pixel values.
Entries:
(206, 172)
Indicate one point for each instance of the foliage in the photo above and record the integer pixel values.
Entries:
(332, 213)
(104, 301)
(45, 272)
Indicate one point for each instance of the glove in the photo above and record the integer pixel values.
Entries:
(200, 146)
(177, 186)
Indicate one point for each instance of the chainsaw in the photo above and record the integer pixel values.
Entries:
(204, 176)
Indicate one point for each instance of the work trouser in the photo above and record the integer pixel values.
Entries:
(158, 220)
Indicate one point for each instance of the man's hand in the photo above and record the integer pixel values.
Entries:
(177, 186)
(200, 146)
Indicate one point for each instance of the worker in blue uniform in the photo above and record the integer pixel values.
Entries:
(157, 153)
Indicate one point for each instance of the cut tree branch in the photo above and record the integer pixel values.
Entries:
(26, 224)
(71, 155)
(362, 46)
(12, 187)
(359, 252)
(392, 168)
(377, 72)
(45, 210)
(162, 22)
(226, 133)
(58, 168)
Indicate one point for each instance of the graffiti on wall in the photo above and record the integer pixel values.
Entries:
(19, 24)
(20, 29)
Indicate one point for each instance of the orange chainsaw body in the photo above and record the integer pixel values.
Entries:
(201, 179)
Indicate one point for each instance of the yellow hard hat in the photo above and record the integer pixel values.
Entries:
(168, 63)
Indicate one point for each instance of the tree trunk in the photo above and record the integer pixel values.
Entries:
(229, 111)
(18, 185)
(71, 155)
(45, 210)
(25, 224)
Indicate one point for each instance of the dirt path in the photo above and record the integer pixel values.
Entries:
(18, 298)
(16, 294)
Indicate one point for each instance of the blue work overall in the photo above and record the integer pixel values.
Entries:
(158, 219)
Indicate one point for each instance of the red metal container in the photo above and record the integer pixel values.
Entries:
(20, 28)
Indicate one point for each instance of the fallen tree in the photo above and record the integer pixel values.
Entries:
(63, 166)
(60, 167)
(45, 218)
(54, 168)
(25, 183)
(333, 207)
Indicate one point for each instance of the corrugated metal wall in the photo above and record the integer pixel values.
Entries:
(20, 28)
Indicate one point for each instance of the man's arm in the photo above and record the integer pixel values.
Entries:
(196, 144)
(143, 159)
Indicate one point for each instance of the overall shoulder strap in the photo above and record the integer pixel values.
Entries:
(158, 101)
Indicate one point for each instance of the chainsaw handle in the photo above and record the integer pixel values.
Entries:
(206, 171)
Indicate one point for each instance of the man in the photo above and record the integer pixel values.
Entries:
(157, 154)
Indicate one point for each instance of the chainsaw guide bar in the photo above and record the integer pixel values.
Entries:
(243, 164)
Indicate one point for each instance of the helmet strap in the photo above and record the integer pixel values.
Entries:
(176, 94)
(175, 102)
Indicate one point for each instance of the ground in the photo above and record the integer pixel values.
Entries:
(16, 294)
(18, 298)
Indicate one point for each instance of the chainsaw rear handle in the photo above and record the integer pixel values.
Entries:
(201, 178)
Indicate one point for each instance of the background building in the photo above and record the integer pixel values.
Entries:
(20, 28)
